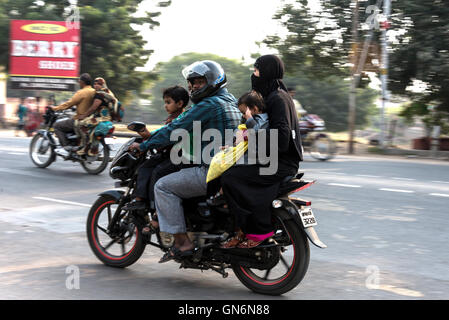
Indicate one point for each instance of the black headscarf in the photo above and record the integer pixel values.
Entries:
(271, 71)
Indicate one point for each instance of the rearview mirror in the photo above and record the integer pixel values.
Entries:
(136, 126)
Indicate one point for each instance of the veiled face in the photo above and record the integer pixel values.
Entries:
(256, 72)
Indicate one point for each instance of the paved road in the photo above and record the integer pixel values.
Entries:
(385, 222)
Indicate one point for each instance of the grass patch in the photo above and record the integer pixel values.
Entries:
(375, 150)
(344, 137)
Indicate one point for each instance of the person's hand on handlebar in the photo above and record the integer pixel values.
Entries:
(145, 134)
(135, 147)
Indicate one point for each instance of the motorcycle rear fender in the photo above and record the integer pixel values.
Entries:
(291, 212)
(116, 194)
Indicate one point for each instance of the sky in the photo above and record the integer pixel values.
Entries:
(229, 28)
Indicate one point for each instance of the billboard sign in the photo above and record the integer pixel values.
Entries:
(44, 55)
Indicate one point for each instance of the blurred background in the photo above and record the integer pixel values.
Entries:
(376, 75)
(376, 72)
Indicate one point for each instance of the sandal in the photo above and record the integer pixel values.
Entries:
(175, 254)
(248, 244)
(151, 227)
(234, 241)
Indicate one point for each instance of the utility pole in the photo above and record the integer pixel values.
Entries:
(384, 69)
(352, 90)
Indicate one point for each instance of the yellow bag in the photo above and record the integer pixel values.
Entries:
(226, 158)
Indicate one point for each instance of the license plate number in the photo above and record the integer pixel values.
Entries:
(307, 217)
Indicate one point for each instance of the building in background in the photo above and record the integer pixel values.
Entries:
(44, 58)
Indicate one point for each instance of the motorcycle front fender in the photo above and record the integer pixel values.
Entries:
(47, 135)
(116, 194)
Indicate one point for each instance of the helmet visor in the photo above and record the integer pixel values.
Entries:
(196, 69)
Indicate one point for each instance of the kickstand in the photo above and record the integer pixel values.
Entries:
(220, 270)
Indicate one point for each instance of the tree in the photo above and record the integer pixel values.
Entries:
(328, 98)
(169, 74)
(421, 53)
(111, 47)
(316, 52)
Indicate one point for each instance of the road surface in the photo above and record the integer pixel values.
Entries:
(385, 221)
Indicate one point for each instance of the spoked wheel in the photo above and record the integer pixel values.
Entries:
(322, 147)
(96, 164)
(119, 246)
(294, 255)
(41, 153)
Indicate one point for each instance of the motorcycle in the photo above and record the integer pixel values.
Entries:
(318, 143)
(43, 146)
(274, 267)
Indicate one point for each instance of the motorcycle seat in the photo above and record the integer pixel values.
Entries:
(291, 183)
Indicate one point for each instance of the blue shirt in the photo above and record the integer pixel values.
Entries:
(218, 112)
(22, 112)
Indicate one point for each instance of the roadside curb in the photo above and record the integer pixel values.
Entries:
(444, 155)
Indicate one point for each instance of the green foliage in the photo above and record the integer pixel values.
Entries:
(169, 74)
(316, 52)
(421, 53)
(429, 117)
(328, 98)
(111, 47)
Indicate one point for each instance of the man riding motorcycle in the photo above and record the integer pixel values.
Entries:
(83, 100)
(215, 108)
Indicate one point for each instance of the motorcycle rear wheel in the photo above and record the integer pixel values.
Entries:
(102, 161)
(260, 281)
(103, 242)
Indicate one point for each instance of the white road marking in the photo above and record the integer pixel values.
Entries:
(439, 195)
(63, 201)
(368, 176)
(344, 185)
(17, 153)
(405, 179)
(400, 291)
(18, 149)
(441, 181)
(396, 190)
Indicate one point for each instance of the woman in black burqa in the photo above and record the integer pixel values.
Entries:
(248, 193)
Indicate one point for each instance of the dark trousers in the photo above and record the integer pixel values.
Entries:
(249, 196)
(149, 173)
(144, 175)
(62, 127)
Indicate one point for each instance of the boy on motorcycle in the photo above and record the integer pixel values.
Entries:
(175, 101)
(215, 108)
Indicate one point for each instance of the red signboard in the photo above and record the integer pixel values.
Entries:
(44, 55)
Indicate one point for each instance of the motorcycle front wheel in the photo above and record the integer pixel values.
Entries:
(292, 266)
(119, 245)
(41, 153)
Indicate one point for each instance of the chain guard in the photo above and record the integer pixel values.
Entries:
(262, 258)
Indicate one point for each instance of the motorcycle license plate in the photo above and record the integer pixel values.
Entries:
(307, 217)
